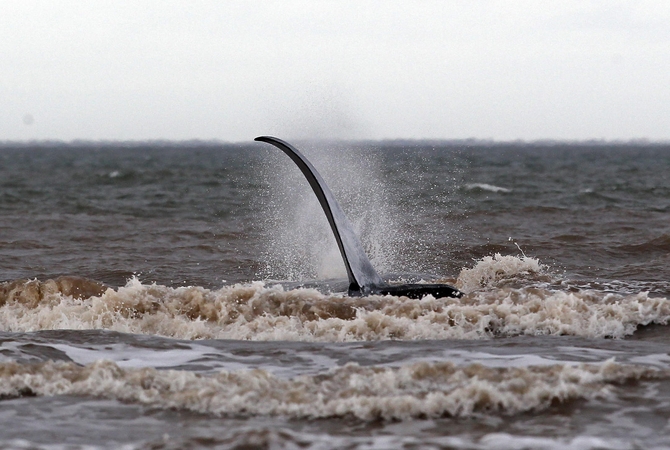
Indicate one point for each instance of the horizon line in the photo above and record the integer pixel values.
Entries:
(387, 141)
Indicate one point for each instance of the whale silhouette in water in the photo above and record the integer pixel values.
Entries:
(363, 279)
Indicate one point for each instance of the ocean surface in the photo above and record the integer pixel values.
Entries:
(190, 295)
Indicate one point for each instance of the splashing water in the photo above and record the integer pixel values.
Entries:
(300, 242)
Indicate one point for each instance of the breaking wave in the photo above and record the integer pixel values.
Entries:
(496, 270)
(418, 390)
(500, 301)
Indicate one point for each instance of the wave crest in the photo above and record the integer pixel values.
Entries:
(415, 390)
(259, 312)
(493, 271)
(34, 292)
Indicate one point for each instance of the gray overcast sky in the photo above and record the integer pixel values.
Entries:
(334, 69)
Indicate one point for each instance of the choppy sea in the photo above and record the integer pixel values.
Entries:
(190, 295)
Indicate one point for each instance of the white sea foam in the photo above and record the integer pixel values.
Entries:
(490, 271)
(492, 307)
(136, 357)
(369, 393)
(486, 187)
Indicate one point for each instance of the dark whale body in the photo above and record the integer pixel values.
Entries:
(363, 279)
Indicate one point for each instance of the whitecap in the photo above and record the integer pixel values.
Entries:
(415, 390)
(255, 311)
(486, 187)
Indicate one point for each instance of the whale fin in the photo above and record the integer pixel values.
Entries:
(362, 276)
(363, 279)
